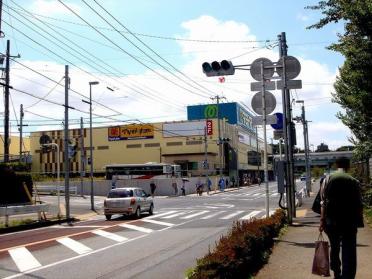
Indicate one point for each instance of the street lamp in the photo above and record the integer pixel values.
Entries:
(91, 142)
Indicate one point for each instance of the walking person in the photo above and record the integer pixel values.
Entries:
(152, 188)
(209, 186)
(221, 184)
(183, 190)
(113, 181)
(174, 185)
(341, 215)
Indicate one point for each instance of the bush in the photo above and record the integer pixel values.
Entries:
(243, 251)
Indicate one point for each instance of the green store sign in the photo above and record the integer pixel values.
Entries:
(210, 111)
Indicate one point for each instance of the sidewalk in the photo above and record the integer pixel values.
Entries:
(293, 253)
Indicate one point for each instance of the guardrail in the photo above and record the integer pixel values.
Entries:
(52, 189)
(22, 209)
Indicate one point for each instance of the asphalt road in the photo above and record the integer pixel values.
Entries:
(160, 246)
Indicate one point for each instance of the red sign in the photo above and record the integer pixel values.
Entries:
(209, 127)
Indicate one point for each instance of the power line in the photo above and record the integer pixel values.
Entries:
(131, 55)
(156, 36)
(146, 45)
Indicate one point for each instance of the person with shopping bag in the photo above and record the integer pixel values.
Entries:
(341, 216)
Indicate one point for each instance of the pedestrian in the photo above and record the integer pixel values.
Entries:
(341, 216)
(221, 184)
(114, 180)
(209, 186)
(259, 181)
(227, 182)
(152, 188)
(233, 181)
(183, 191)
(174, 185)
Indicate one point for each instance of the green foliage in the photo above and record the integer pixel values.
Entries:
(243, 251)
(317, 172)
(16, 223)
(354, 83)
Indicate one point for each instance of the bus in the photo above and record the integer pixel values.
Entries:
(142, 171)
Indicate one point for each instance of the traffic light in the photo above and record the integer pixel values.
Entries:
(72, 150)
(215, 68)
(205, 164)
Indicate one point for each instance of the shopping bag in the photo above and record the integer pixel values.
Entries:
(321, 257)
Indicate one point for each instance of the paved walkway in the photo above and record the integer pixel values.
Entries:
(293, 253)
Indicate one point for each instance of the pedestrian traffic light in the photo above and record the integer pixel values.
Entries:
(72, 150)
(215, 68)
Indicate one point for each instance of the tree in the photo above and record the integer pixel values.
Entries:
(346, 148)
(353, 86)
(322, 148)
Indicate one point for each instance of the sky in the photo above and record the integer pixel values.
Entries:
(147, 57)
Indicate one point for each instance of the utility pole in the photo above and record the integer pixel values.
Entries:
(66, 142)
(6, 99)
(266, 176)
(287, 131)
(6, 103)
(21, 133)
(306, 147)
(82, 158)
(219, 141)
(258, 155)
(206, 166)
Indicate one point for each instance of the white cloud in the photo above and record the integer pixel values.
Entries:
(52, 7)
(302, 17)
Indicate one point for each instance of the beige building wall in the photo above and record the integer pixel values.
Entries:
(160, 148)
(14, 146)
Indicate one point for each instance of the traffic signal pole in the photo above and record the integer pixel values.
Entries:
(66, 141)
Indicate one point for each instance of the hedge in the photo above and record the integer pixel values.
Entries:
(243, 251)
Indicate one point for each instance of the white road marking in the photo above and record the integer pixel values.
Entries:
(195, 214)
(212, 215)
(23, 259)
(255, 195)
(136, 228)
(109, 235)
(232, 215)
(175, 215)
(74, 245)
(158, 222)
(250, 215)
(271, 212)
(161, 214)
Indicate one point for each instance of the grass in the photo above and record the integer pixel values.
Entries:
(368, 215)
(16, 223)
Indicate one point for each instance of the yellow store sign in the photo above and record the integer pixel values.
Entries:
(132, 131)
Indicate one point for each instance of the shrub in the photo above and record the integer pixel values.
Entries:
(243, 251)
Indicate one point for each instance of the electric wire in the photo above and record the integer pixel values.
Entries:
(147, 46)
(131, 55)
(97, 58)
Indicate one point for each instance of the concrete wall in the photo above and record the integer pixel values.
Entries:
(163, 186)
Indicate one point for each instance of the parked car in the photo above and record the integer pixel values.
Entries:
(128, 201)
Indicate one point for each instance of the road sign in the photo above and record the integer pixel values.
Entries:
(270, 103)
(292, 67)
(257, 85)
(291, 84)
(258, 120)
(278, 125)
(256, 69)
(278, 134)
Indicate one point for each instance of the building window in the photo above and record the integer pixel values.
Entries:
(175, 143)
(102, 147)
(194, 142)
(134, 145)
(156, 144)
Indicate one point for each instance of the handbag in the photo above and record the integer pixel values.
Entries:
(321, 257)
(316, 204)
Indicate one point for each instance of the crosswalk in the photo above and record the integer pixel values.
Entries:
(28, 258)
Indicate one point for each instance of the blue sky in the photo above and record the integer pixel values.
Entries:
(176, 32)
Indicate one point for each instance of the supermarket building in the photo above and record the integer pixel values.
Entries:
(187, 143)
